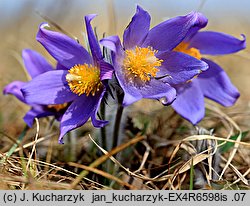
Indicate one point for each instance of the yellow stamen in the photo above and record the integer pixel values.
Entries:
(184, 48)
(141, 63)
(190, 80)
(58, 107)
(84, 79)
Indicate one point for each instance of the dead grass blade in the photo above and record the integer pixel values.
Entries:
(209, 137)
(239, 179)
(106, 156)
(232, 122)
(193, 161)
(127, 170)
(237, 172)
(34, 146)
(102, 173)
(145, 156)
(33, 184)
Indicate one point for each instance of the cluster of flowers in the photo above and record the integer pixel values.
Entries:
(165, 63)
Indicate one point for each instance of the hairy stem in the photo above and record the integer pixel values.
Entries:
(116, 130)
(103, 130)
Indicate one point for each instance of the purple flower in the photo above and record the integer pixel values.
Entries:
(146, 57)
(82, 82)
(35, 65)
(213, 83)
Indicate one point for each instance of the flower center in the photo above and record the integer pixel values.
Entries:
(84, 79)
(141, 63)
(184, 48)
(57, 107)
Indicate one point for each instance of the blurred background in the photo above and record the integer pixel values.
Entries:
(19, 21)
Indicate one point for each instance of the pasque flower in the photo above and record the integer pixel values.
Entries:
(146, 57)
(214, 82)
(82, 82)
(35, 65)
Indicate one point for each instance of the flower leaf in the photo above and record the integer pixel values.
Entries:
(229, 145)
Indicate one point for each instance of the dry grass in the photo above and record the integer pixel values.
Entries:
(146, 159)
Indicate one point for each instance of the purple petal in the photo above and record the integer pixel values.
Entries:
(14, 88)
(137, 30)
(131, 94)
(96, 122)
(106, 70)
(180, 67)
(78, 113)
(215, 43)
(190, 102)
(35, 63)
(93, 43)
(193, 30)
(36, 112)
(48, 88)
(216, 85)
(168, 34)
(114, 44)
(60, 67)
(64, 49)
(156, 89)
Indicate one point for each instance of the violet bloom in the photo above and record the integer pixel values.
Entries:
(82, 81)
(146, 57)
(35, 65)
(213, 83)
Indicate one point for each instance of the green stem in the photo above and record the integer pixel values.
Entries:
(117, 125)
(18, 142)
(70, 146)
(191, 186)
